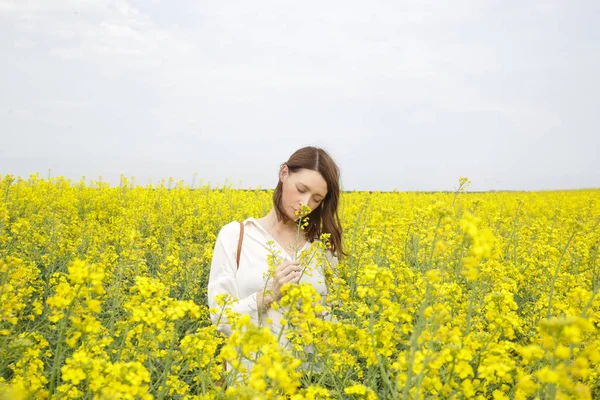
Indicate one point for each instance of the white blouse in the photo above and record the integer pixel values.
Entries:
(245, 282)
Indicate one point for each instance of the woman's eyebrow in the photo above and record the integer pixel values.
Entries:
(307, 187)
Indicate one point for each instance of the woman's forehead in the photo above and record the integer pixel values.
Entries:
(313, 181)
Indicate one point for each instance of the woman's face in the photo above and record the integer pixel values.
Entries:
(305, 187)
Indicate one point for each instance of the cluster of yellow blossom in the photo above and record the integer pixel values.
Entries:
(441, 295)
(17, 293)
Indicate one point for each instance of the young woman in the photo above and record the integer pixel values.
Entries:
(310, 178)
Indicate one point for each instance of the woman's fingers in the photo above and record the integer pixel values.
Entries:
(292, 268)
(286, 267)
(293, 277)
(290, 276)
(288, 271)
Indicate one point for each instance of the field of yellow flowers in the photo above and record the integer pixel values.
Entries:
(445, 295)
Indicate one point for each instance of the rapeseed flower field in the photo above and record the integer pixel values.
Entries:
(442, 295)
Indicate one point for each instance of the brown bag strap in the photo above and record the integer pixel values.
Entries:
(239, 249)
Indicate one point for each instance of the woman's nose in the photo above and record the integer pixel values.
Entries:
(304, 200)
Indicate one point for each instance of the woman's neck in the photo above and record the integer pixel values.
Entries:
(278, 227)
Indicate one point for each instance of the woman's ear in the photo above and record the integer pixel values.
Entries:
(283, 172)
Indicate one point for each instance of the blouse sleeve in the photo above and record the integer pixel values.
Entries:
(222, 279)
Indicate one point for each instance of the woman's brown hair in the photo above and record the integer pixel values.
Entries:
(324, 218)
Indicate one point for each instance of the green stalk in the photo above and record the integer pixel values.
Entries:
(549, 312)
(435, 237)
(419, 325)
(167, 366)
(384, 375)
(54, 378)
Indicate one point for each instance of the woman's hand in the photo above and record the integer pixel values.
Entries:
(286, 272)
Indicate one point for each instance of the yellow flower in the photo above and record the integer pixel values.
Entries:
(433, 276)
(361, 391)
(562, 352)
(302, 215)
(547, 375)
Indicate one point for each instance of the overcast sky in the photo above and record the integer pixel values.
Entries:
(406, 95)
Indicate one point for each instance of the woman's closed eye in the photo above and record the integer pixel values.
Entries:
(304, 191)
